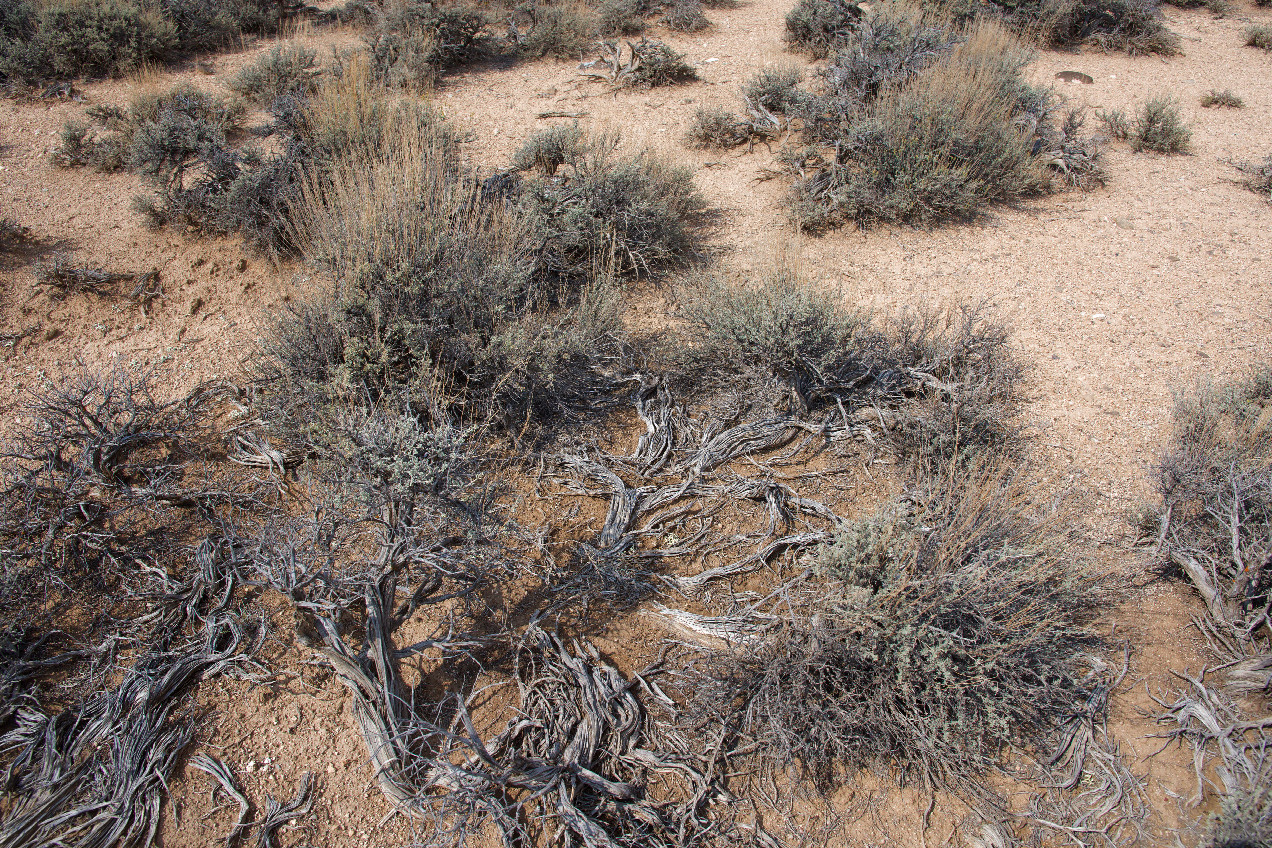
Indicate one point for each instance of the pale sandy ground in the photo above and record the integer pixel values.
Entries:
(1118, 297)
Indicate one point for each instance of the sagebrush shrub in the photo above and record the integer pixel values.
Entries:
(713, 127)
(775, 89)
(548, 150)
(439, 292)
(151, 133)
(685, 16)
(934, 637)
(1160, 128)
(13, 235)
(1259, 36)
(411, 42)
(203, 25)
(287, 69)
(61, 39)
(937, 144)
(1258, 177)
(560, 30)
(657, 64)
(817, 27)
(606, 213)
(1131, 25)
(101, 38)
(1226, 98)
(780, 328)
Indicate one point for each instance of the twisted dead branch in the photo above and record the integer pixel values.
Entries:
(93, 775)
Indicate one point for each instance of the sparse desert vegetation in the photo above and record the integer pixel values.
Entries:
(1225, 98)
(1259, 36)
(633, 423)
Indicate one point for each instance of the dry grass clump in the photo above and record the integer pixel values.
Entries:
(930, 639)
(1226, 98)
(1259, 36)
(286, 70)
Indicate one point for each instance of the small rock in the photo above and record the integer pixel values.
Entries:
(215, 268)
(196, 305)
(240, 266)
(1124, 223)
(51, 333)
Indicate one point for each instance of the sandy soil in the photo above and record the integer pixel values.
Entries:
(1118, 297)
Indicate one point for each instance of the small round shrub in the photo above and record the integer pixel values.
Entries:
(1159, 128)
